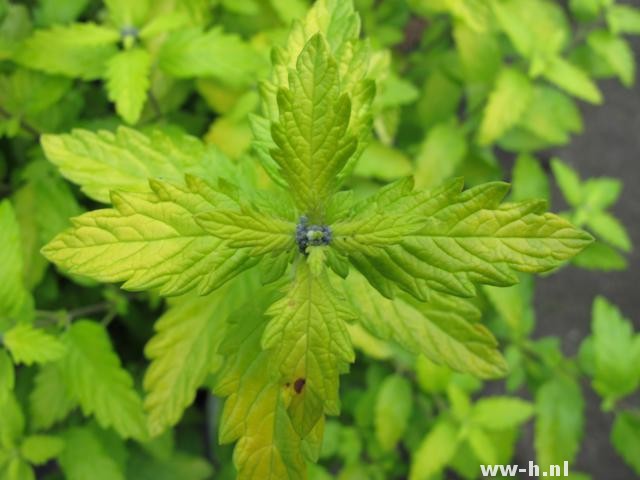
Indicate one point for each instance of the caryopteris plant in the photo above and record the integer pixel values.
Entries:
(270, 318)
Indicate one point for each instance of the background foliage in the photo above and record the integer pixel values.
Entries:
(479, 89)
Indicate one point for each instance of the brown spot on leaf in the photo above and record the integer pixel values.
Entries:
(298, 385)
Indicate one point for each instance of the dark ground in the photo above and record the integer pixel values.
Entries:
(609, 146)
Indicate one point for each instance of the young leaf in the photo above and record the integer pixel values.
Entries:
(50, 400)
(77, 50)
(559, 422)
(95, 377)
(616, 52)
(435, 451)
(39, 449)
(444, 140)
(508, 101)
(311, 135)
(152, 241)
(573, 80)
(30, 345)
(392, 410)
(623, 19)
(617, 352)
(84, 456)
(307, 337)
(7, 376)
(625, 437)
(568, 181)
(127, 14)
(499, 413)
(104, 161)
(609, 229)
(529, 180)
(128, 82)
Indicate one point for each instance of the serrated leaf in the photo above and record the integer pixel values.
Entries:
(96, 378)
(190, 52)
(507, 102)
(616, 52)
(572, 79)
(39, 449)
(77, 50)
(104, 161)
(376, 229)
(617, 352)
(435, 451)
(152, 241)
(307, 337)
(625, 437)
(499, 413)
(311, 134)
(444, 329)
(85, 457)
(559, 422)
(127, 78)
(15, 301)
(392, 410)
(30, 345)
(50, 400)
(183, 350)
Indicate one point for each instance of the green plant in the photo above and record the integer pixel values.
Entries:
(300, 231)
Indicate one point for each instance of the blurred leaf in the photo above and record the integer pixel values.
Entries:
(435, 452)
(178, 466)
(514, 305)
(529, 180)
(85, 458)
(572, 79)
(39, 449)
(431, 377)
(609, 229)
(625, 437)
(126, 13)
(439, 100)
(616, 52)
(127, 79)
(384, 163)
(393, 409)
(7, 376)
(568, 181)
(599, 256)
(440, 154)
(499, 413)
(623, 19)
(30, 345)
(51, 12)
(50, 400)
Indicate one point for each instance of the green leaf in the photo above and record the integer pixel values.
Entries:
(104, 161)
(625, 437)
(572, 79)
(7, 376)
(128, 14)
(616, 52)
(96, 378)
(623, 19)
(26, 93)
(313, 145)
(178, 465)
(601, 192)
(499, 413)
(568, 181)
(12, 422)
(77, 50)
(184, 349)
(508, 101)
(18, 469)
(609, 229)
(128, 82)
(250, 228)
(599, 256)
(50, 400)
(617, 352)
(479, 53)
(152, 240)
(307, 337)
(514, 305)
(444, 329)
(392, 411)
(84, 457)
(559, 422)
(39, 449)
(15, 301)
(190, 52)
(529, 180)
(30, 345)
(51, 12)
(383, 162)
(445, 140)
(435, 451)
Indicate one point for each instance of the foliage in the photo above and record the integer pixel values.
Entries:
(321, 213)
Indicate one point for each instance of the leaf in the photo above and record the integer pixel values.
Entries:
(152, 241)
(39, 449)
(444, 329)
(382, 162)
(514, 305)
(254, 412)
(96, 378)
(599, 256)
(529, 180)
(128, 14)
(7, 376)
(616, 52)
(183, 350)
(435, 451)
(12, 422)
(623, 19)
(559, 422)
(508, 101)
(313, 146)
(568, 181)
(572, 79)
(78, 50)
(15, 301)
(250, 228)
(51, 12)
(441, 153)
(178, 465)
(617, 352)
(625, 437)
(499, 413)
(308, 339)
(103, 161)
(18, 469)
(128, 82)
(609, 229)
(85, 457)
(30, 345)
(50, 400)
(392, 411)
(190, 52)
